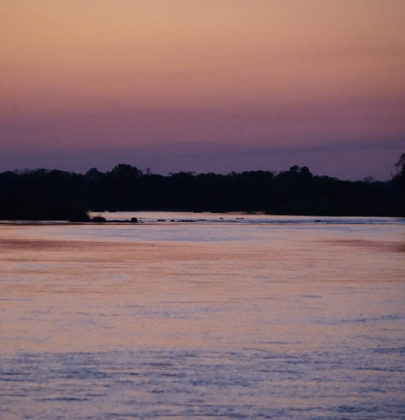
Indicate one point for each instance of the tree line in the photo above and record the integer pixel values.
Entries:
(42, 194)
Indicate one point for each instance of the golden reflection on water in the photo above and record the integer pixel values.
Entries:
(303, 288)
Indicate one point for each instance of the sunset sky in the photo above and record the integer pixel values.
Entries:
(203, 85)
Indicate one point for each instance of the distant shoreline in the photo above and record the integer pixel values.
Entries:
(58, 195)
(223, 217)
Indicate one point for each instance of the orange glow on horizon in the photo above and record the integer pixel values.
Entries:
(199, 53)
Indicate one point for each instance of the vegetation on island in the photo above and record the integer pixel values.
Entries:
(42, 194)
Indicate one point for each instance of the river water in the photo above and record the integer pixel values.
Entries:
(203, 315)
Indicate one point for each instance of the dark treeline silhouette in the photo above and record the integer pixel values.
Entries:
(59, 195)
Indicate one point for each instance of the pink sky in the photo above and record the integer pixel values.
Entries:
(203, 85)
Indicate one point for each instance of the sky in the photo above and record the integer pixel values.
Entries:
(203, 85)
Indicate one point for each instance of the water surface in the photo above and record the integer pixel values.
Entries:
(260, 317)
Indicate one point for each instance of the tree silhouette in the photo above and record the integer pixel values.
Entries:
(400, 166)
(60, 195)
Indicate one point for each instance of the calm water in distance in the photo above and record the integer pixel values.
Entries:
(203, 315)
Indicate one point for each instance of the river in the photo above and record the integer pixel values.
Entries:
(203, 315)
